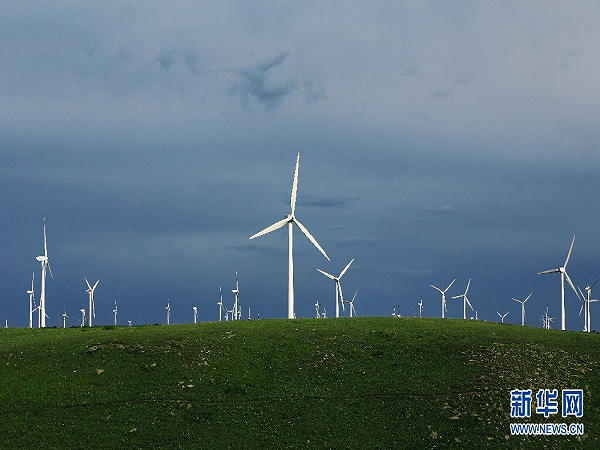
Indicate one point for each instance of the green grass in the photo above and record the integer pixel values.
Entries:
(307, 383)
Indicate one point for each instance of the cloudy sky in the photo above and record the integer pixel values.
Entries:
(437, 140)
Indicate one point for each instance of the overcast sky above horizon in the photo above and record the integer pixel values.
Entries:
(437, 140)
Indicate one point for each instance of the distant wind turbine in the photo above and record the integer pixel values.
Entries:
(168, 308)
(31, 294)
(220, 303)
(290, 220)
(586, 304)
(420, 303)
(338, 287)
(502, 316)
(92, 310)
(563, 273)
(317, 309)
(443, 295)
(64, 317)
(522, 302)
(115, 311)
(45, 263)
(351, 303)
(465, 300)
(195, 309)
(236, 295)
(82, 316)
(546, 319)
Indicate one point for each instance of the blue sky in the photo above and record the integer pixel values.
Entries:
(437, 140)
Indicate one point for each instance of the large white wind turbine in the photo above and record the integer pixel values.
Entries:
(290, 220)
(92, 310)
(522, 302)
(443, 295)
(587, 299)
(502, 316)
(563, 273)
(31, 293)
(465, 300)
(338, 287)
(45, 263)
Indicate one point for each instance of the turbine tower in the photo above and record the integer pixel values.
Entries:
(502, 316)
(82, 316)
(30, 292)
(338, 287)
(92, 310)
(420, 303)
(168, 308)
(522, 302)
(115, 311)
(586, 303)
(443, 295)
(236, 295)
(318, 315)
(290, 220)
(563, 273)
(195, 309)
(465, 300)
(64, 317)
(220, 303)
(45, 263)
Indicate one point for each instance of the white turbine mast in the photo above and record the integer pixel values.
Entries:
(290, 220)
(443, 295)
(195, 310)
(338, 287)
(563, 274)
(522, 302)
(92, 306)
(317, 305)
(420, 303)
(220, 304)
(351, 303)
(502, 316)
(586, 304)
(82, 310)
(236, 296)
(31, 296)
(168, 308)
(45, 263)
(64, 317)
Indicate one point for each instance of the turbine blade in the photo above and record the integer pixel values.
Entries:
(328, 275)
(49, 268)
(96, 285)
(345, 268)
(468, 284)
(581, 309)
(450, 285)
(458, 296)
(310, 237)
(436, 288)
(341, 295)
(270, 228)
(295, 186)
(582, 296)
(528, 297)
(569, 254)
(45, 247)
(88, 283)
(548, 271)
(469, 303)
(572, 285)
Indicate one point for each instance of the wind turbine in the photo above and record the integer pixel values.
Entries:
(168, 308)
(30, 292)
(465, 300)
(45, 263)
(522, 302)
(351, 303)
(90, 291)
(195, 309)
(317, 309)
(64, 317)
(290, 220)
(338, 287)
(563, 273)
(220, 303)
(443, 295)
(502, 316)
(546, 319)
(82, 316)
(236, 295)
(115, 314)
(420, 303)
(586, 303)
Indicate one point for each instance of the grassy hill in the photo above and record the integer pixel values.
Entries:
(307, 383)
